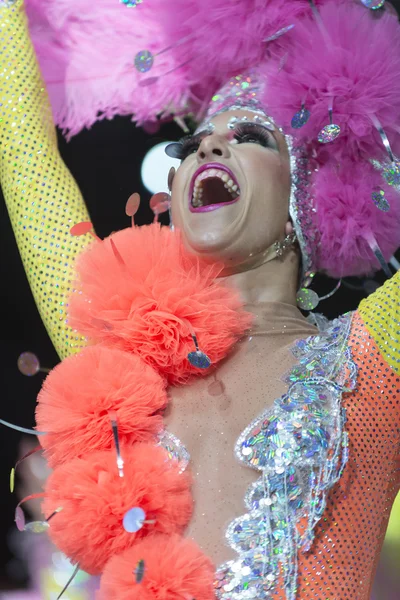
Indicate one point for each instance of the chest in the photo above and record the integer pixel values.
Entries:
(211, 412)
(209, 415)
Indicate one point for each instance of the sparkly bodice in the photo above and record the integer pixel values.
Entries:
(299, 446)
(314, 525)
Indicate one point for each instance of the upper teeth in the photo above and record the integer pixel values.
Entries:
(229, 184)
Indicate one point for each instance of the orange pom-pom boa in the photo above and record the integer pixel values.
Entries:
(79, 395)
(145, 294)
(172, 569)
(139, 298)
(94, 500)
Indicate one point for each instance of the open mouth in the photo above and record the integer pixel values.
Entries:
(212, 186)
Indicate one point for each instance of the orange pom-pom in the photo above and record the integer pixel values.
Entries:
(159, 568)
(94, 500)
(142, 292)
(76, 399)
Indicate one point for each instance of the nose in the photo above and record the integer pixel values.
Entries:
(212, 147)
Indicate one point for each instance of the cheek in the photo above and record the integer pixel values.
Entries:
(178, 194)
(269, 181)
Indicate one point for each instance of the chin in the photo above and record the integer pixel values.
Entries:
(207, 246)
(213, 249)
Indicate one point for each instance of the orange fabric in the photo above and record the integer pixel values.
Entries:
(342, 562)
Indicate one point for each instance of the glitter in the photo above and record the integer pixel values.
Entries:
(373, 4)
(36, 193)
(391, 173)
(144, 61)
(307, 299)
(380, 201)
(329, 133)
(301, 434)
(131, 3)
(174, 448)
(300, 118)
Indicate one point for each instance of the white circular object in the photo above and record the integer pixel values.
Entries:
(155, 168)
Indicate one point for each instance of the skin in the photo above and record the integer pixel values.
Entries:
(209, 414)
(239, 233)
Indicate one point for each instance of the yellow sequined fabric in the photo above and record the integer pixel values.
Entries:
(381, 315)
(42, 197)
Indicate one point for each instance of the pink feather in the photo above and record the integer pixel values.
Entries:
(97, 78)
(346, 215)
(97, 42)
(358, 66)
(86, 51)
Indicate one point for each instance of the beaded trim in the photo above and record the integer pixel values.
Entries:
(301, 206)
(300, 447)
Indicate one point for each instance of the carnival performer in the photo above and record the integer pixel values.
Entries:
(201, 378)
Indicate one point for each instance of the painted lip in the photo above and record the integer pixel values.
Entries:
(210, 207)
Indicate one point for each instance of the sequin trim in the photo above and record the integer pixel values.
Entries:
(301, 448)
(301, 205)
(174, 448)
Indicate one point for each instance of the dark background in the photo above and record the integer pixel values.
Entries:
(106, 163)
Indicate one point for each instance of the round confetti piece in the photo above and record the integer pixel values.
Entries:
(28, 363)
(307, 299)
(199, 359)
(160, 203)
(329, 133)
(144, 61)
(133, 519)
(37, 526)
(19, 519)
(132, 205)
(81, 228)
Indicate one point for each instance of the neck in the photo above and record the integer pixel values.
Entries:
(274, 281)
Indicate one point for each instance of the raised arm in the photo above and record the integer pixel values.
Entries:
(42, 197)
(381, 315)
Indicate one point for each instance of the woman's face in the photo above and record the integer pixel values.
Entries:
(230, 196)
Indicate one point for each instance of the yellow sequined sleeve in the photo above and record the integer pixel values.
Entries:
(42, 197)
(381, 315)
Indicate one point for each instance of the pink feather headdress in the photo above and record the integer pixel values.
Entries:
(331, 81)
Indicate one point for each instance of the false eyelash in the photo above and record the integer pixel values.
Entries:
(184, 147)
(252, 130)
(190, 143)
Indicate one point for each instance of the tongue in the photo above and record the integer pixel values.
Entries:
(214, 192)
